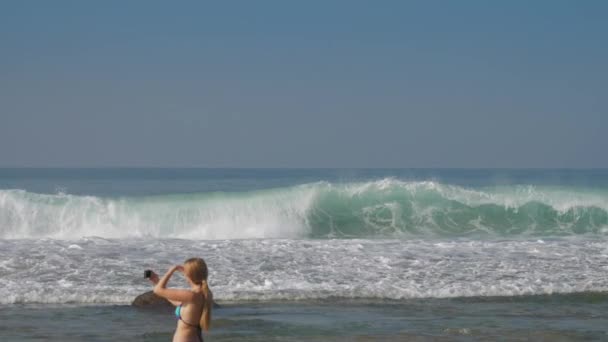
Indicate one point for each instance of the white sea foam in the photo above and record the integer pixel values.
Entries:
(28, 215)
(110, 271)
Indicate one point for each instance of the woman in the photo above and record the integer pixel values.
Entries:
(193, 306)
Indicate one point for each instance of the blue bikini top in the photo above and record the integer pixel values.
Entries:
(178, 315)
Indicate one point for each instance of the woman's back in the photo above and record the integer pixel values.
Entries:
(193, 306)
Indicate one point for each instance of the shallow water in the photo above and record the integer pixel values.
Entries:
(548, 318)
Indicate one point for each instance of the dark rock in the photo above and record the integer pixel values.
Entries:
(149, 299)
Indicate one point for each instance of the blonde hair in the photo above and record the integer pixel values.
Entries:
(196, 270)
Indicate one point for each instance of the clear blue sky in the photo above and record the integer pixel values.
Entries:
(304, 83)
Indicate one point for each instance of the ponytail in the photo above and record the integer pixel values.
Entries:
(205, 321)
(196, 270)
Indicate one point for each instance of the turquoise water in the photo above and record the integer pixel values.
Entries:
(308, 254)
(236, 204)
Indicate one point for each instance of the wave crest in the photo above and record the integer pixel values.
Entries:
(384, 208)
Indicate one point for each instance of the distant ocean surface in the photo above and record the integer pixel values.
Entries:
(309, 254)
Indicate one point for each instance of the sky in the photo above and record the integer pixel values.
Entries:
(372, 84)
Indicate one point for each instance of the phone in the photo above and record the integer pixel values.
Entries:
(147, 273)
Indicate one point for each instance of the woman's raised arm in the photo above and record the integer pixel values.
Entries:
(154, 278)
(173, 295)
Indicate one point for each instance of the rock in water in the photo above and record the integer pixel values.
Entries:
(149, 299)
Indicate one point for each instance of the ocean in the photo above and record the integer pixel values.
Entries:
(308, 254)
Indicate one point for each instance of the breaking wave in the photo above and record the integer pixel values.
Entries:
(384, 208)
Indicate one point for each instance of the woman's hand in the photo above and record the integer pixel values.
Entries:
(176, 268)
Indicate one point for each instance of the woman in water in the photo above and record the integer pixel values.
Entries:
(193, 306)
